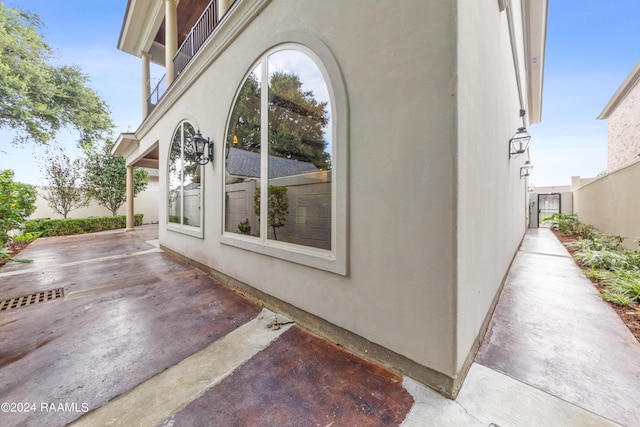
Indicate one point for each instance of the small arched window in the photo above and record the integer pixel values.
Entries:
(185, 180)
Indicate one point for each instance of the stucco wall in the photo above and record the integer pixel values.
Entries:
(611, 203)
(145, 203)
(400, 103)
(425, 99)
(624, 131)
(491, 204)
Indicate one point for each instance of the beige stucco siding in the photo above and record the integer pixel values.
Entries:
(399, 291)
(611, 203)
(491, 205)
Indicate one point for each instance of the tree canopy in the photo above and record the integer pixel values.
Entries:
(64, 178)
(106, 177)
(38, 99)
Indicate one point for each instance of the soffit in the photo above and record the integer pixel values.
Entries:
(535, 19)
(143, 23)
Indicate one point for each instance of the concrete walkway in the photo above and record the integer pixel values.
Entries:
(143, 339)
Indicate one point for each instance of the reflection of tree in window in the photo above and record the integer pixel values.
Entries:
(296, 121)
(244, 128)
(298, 172)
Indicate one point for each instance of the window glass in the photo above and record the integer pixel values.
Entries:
(242, 177)
(185, 192)
(299, 162)
(297, 128)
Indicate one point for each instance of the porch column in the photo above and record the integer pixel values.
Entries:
(223, 6)
(146, 81)
(170, 36)
(130, 218)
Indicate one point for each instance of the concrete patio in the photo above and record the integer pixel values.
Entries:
(140, 338)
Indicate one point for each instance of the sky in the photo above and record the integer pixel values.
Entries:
(592, 45)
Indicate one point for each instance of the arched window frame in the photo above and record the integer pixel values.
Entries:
(189, 229)
(334, 260)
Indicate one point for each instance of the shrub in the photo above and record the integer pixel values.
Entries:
(26, 237)
(65, 227)
(17, 202)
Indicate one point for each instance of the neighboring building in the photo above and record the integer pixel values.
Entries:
(383, 237)
(623, 115)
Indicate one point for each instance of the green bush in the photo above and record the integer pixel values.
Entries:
(26, 237)
(65, 227)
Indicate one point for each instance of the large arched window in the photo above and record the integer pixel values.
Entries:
(278, 168)
(185, 180)
(280, 183)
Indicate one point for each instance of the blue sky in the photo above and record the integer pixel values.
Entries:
(591, 47)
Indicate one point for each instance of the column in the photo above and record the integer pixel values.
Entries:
(130, 218)
(170, 36)
(146, 81)
(223, 6)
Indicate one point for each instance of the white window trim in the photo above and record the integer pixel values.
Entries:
(191, 230)
(336, 259)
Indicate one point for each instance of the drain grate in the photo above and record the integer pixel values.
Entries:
(31, 299)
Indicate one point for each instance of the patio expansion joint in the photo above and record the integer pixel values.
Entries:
(545, 254)
(157, 399)
(47, 267)
(549, 394)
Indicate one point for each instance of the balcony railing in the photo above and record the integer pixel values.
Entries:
(156, 94)
(196, 38)
(198, 35)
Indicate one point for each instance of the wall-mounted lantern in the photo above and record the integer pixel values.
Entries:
(519, 143)
(525, 170)
(200, 145)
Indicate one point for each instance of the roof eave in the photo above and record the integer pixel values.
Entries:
(622, 91)
(536, 17)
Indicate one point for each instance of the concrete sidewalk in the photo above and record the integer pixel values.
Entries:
(143, 339)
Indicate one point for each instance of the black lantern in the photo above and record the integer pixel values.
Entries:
(519, 143)
(200, 145)
(525, 170)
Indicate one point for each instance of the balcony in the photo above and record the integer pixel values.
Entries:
(199, 34)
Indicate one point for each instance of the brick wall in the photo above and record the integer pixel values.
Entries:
(624, 131)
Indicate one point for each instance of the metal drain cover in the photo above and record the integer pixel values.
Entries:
(31, 299)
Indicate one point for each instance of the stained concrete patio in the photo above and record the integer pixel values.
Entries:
(141, 338)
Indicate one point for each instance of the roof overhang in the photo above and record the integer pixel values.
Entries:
(128, 146)
(535, 19)
(626, 86)
(140, 25)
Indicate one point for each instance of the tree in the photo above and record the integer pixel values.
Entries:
(17, 202)
(38, 99)
(64, 178)
(105, 178)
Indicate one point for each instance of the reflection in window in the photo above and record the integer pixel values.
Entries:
(297, 127)
(185, 193)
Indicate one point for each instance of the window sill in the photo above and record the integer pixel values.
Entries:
(186, 229)
(310, 257)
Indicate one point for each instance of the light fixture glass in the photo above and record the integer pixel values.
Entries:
(519, 143)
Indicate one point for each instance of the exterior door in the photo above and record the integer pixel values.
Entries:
(548, 205)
